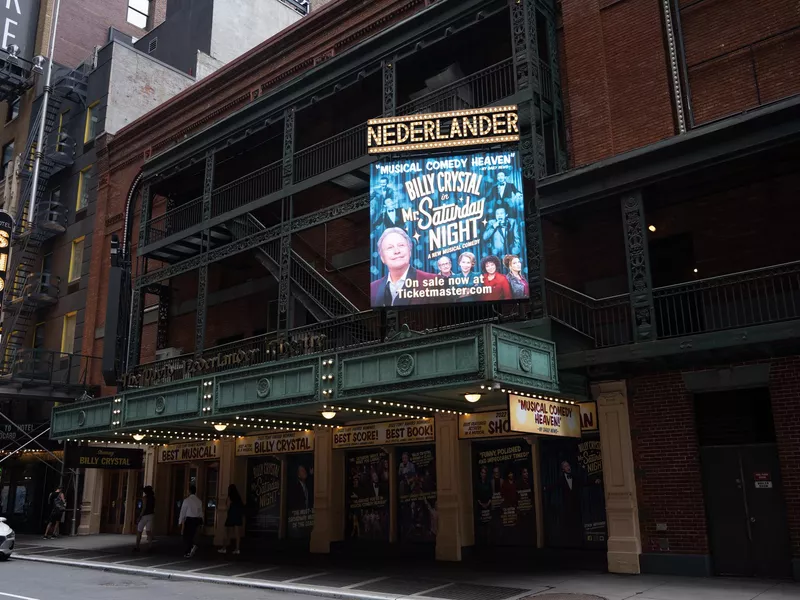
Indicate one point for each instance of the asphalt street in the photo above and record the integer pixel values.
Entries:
(36, 581)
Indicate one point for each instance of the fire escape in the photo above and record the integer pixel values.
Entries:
(28, 287)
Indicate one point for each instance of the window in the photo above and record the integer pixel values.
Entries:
(91, 122)
(38, 336)
(8, 156)
(55, 196)
(138, 13)
(68, 333)
(61, 119)
(13, 110)
(76, 260)
(84, 182)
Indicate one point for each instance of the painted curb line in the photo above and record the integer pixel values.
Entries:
(296, 588)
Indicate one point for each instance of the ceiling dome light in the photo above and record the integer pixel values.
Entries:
(328, 414)
(472, 397)
(220, 426)
(652, 228)
(138, 437)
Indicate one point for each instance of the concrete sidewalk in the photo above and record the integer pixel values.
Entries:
(389, 581)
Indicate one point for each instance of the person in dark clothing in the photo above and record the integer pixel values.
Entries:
(58, 504)
(234, 520)
(146, 520)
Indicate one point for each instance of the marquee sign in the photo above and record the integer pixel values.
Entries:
(6, 227)
(206, 450)
(544, 417)
(484, 424)
(377, 434)
(276, 443)
(458, 128)
(90, 457)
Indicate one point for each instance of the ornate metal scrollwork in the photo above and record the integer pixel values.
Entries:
(405, 365)
(135, 334)
(202, 309)
(144, 217)
(208, 184)
(525, 359)
(389, 89)
(82, 418)
(263, 387)
(288, 147)
(638, 266)
(161, 405)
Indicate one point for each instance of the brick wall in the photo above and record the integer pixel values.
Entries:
(666, 455)
(83, 24)
(618, 94)
(784, 387)
(748, 57)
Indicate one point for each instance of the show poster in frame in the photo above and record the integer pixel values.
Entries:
(300, 495)
(448, 229)
(416, 481)
(367, 499)
(503, 493)
(263, 496)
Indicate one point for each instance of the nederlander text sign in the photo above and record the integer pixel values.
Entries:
(490, 125)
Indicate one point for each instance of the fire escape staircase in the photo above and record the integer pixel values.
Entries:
(27, 290)
(318, 295)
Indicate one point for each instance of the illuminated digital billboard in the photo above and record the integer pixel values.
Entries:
(448, 229)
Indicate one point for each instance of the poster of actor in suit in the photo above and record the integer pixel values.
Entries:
(367, 490)
(448, 229)
(416, 481)
(300, 495)
(574, 502)
(263, 496)
(503, 494)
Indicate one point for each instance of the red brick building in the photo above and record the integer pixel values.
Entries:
(661, 139)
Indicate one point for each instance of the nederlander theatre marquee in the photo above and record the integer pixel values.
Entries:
(446, 228)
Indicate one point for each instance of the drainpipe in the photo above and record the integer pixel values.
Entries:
(45, 102)
(675, 72)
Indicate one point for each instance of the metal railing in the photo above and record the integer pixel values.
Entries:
(546, 80)
(479, 89)
(441, 318)
(182, 217)
(483, 88)
(345, 332)
(48, 367)
(767, 295)
(331, 153)
(259, 183)
(606, 321)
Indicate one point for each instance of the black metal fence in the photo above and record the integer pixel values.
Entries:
(46, 367)
(757, 297)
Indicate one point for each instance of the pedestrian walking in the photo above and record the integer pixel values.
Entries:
(190, 520)
(58, 505)
(234, 520)
(146, 520)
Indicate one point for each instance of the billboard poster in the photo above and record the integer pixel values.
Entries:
(447, 229)
(573, 499)
(484, 424)
(416, 481)
(300, 496)
(503, 496)
(367, 488)
(6, 227)
(263, 495)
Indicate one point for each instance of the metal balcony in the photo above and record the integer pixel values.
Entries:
(744, 299)
(16, 76)
(344, 152)
(50, 368)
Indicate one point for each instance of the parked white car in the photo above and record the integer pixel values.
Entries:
(7, 539)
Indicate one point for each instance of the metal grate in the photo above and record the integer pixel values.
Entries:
(339, 579)
(470, 591)
(401, 585)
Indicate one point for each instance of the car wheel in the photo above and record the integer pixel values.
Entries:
(4, 557)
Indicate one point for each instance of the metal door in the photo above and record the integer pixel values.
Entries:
(748, 532)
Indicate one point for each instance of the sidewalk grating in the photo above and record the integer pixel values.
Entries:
(339, 579)
(401, 586)
(284, 574)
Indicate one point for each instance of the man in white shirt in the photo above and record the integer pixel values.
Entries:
(190, 520)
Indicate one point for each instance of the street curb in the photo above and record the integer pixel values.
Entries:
(296, 588)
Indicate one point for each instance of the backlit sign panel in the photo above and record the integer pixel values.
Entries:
(448, 229)
(6, 226)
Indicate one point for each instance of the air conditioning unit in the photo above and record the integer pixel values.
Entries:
(167, 353)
